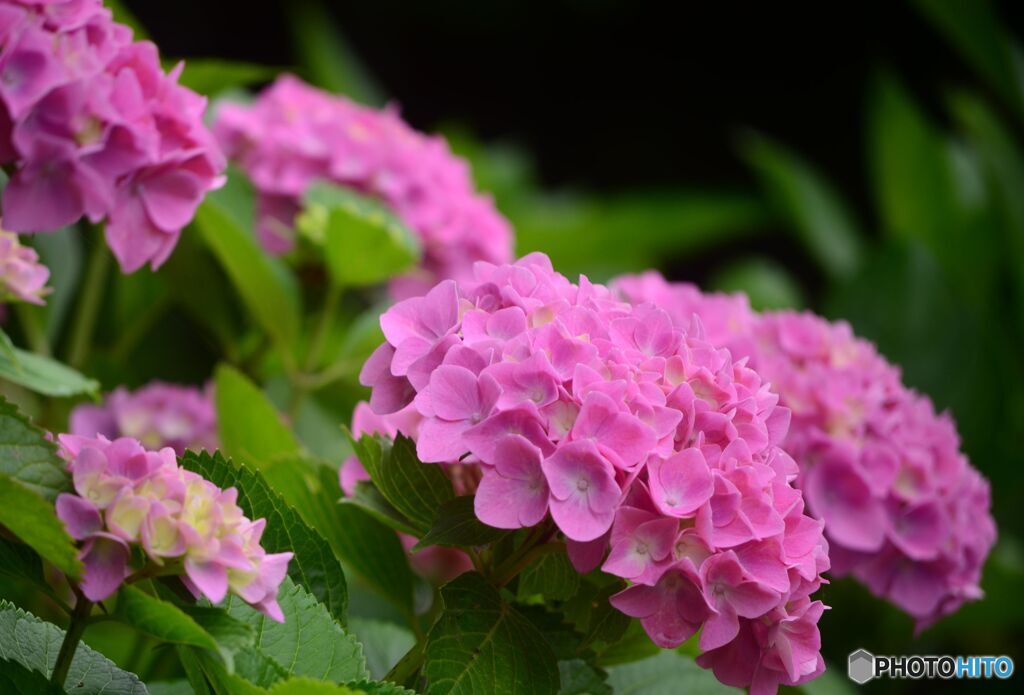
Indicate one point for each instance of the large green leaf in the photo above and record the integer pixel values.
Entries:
(15, 679)
(250, 427)
(34, 644)
(818, 215)
(364, 242)
(34, 521)
(415, 489)
(45, 375)
(309, 642)
(481, 644)
(666, 673)
(370, 549)
(314, 566)
(267, 287)
(581, 678)
(161, 619)
(551, 576)
(456, 526)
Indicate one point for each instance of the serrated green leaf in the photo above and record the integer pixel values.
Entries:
(34, 644)
(161, 619)
(368, 498)
(364, 243)
(309, 642)
(814, 209)
(249, 426)
(34, 521)
(552, 576)
(415, 489)
(28, 457)
(481, 644)
(666, 673)
(314, 565)
(258, 668)
(384, 644)
(456, 526)
(266, 286)
(45, 375)
(15, 679)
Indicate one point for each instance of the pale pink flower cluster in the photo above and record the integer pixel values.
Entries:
(904, 511)
(652, 450)
(294, 134)
(158, 415)
(127, 496)
(22, 277)
(95, 128)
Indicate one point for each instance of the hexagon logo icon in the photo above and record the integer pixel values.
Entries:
(861, 667)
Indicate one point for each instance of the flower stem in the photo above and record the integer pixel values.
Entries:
(79, 620)
(89, 304)
(407, 667)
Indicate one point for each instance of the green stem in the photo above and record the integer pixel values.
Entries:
(89, 304)
(323, 327)
(28, 317)
(79, 620)
(409, 665)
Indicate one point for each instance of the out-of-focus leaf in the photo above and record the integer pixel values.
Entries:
(45, 375)
(176, 687)
(309, 643)
(325, 57)
(267, 287)
(457, 526)
(415, 489)
(250, 427)
(368, 498)
(364, 242)
(766, 283)
(383, 643)
(807, 202)
(634, 645)
(481, 644)
(61, 252)
(929, 190)
(211, 76)
(581, 678)
(666, 673)
(314, 565)
(34, 521)
(589, 234)
(34, 644)
(28, 457)
(975, 30)
(161, 619)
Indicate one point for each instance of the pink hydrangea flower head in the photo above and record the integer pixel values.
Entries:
(22, 277)
(903, 509)
(95, 128)
(294, 134)
(652, 451)
(158, 415)
(128, 496)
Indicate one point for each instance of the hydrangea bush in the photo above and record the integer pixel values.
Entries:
(546, 486)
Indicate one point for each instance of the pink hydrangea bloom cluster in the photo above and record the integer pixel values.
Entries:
(158, 415)
(294, 134)
(654, 452)
(437, 564)
(22, 277)
(904, 511)
(95, 127)
(128, 496)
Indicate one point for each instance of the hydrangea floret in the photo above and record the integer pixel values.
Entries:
(294, 134)
(904, 510)
(22, 277)
(158, 414)
(94, 127)
(128, 498)
(653, 451)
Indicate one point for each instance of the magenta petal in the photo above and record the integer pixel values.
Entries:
(80, 516)
(211, 578)
(171, 198)
(440, 441)
(106, 565)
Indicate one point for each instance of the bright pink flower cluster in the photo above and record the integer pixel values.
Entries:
(158, 415)
(129, 496)
(96, 128)
(22, 277)
(294, 134)
(632, 434)
(904, 511)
